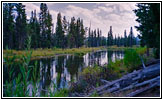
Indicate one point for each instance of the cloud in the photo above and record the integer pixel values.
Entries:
(106, 9)
(31, 7)
(101, 15)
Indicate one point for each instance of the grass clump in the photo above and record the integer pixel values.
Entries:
(115, 69)
(92, 74)
(131, 59)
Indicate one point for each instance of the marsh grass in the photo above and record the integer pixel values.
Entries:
(17, 85)
(37, 53)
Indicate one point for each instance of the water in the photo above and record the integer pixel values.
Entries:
(62, 70)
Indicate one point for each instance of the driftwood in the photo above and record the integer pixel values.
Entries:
(132, 94)
(144, 79)
(135, 85)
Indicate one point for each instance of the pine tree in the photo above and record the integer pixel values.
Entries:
(94, 39)
(9, 38)
(77, 33)
(45, 21)
(131, 36)
(110, 37)
(42, 21)
(34, 30)
(125, 38)
(108, 40)
(89, 37)
(118, 41)
(82, 34)
(98, 37)
(115, 40)
(49, 30)
(111, 34)
(59, 32)
(71, 35)
(65, 26)
(101, 38)
(149, 28)
(21, 26)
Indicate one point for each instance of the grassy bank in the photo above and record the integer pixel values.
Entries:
(115, 48)
(40, 53)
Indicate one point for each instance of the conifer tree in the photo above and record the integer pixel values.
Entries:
(149, 28)
(131, 37)
(21, 26)
(34, 30)
(71, 35)
(82, 34)
(49, 30)
(59, 32)
(65, 26)
(125, 38)
(110, 37)
(9, 39)
(45, 21)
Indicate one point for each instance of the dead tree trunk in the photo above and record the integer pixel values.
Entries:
(148, 77)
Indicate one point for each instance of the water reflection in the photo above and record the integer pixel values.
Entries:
(102, 57)
(63, 69)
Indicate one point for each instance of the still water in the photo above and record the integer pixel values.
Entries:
(61, 70)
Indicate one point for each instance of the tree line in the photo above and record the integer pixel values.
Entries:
(17, 28)
(126, 41)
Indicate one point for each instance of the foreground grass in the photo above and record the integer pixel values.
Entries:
(40, 53)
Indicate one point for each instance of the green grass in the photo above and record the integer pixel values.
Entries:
(17, 86)
(50, 52)
(115, 48)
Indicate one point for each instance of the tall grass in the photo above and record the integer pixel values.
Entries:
(37, 53)
(17, 86)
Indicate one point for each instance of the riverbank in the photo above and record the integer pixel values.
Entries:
(94, 77)
(46, 53)
(116, 48)
(91, 77)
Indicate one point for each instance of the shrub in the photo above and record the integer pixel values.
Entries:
(131, 59)
(116, 69)
(92, 71)
(141, 50)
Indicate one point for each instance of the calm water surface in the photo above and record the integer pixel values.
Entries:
(62, 70)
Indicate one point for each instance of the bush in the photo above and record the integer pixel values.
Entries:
(141, 50)
(116, 69)
(89, 72)
(131, 59)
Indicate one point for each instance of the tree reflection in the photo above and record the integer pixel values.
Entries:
(73, 64)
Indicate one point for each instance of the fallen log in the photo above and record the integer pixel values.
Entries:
(139, 84)
(105, 81)
(132, 94)
(135, 79)
(110, 90)
(116, 81)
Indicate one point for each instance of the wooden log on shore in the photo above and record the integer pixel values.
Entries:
(139, 84)
(139, 91)
(148, 75)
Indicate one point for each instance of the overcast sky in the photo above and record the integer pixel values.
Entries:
(102, 15)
